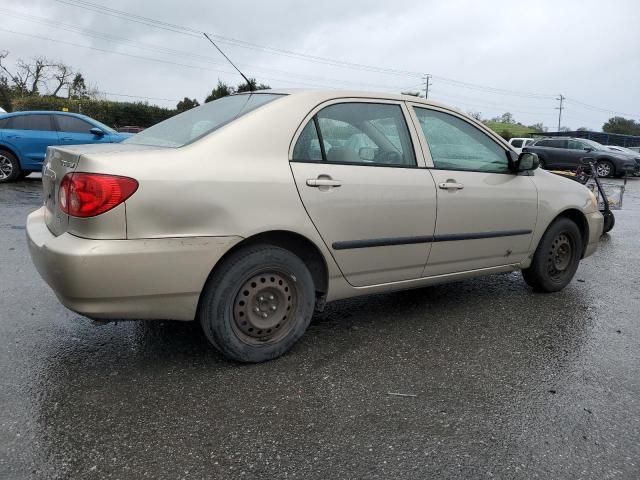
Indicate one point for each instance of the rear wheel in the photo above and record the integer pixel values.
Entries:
(541, 164)
(605, 168)
(9, 167)
(257, 304)
(557, 257)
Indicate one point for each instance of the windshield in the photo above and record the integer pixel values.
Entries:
(592, 144)
(196, 123)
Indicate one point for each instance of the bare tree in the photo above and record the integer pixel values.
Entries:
(62, 76)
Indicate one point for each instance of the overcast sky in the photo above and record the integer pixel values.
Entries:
(588, 51)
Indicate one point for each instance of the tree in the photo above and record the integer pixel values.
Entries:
(62, 75)
(506, 134)
(187, 104)
(78, 87)
(244, 87)
(583, 129)
(538, 127)
(221, 90)
(621, 125)
(476, 115)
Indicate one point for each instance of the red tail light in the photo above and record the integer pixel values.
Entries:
(90, 194)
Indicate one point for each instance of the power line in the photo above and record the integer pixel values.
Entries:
(181, 53)
(279, 51)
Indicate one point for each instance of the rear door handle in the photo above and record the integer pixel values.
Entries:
(66, 139)
(450, 186)
(323, 182)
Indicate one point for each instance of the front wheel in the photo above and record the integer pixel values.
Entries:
(257, 304)
(605, 168)
(609, 221)
(557, 257)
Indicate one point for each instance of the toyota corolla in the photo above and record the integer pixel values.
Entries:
(250, 212)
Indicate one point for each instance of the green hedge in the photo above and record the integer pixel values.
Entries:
(114, 114)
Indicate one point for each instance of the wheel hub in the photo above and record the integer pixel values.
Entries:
(6, 167)
(264, 307)
(603, 170)
(560, 255)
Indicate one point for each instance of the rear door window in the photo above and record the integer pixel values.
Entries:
(31, 122)
(366, 134)
(307, 147)
(516, 143)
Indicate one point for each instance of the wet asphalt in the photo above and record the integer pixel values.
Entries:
(505, 383)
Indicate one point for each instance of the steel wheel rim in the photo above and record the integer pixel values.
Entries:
(560, 256)
(603, 169)
(6, 167)
(264, 308)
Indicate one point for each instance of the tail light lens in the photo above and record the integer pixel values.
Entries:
(90, 194)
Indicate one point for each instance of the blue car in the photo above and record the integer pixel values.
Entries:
(25, 136)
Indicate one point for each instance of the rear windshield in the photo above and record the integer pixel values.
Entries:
(198, 122)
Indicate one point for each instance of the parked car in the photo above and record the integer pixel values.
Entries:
(25, 136)
(630, 153)
(518, 143)
(225, 214)
(2, 110)
(566, 153)
(130, 129)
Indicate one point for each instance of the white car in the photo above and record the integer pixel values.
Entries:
(518, 143)
(2, 110)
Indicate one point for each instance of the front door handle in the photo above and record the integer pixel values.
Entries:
(323, 182)
(449, 185)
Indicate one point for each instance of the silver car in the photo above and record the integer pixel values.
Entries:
(250, 212)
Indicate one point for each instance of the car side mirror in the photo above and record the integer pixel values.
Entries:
(97, 132)
(527, 162)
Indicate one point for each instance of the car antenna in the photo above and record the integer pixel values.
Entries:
(251, 87)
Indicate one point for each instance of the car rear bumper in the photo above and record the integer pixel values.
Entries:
(596, 225)
(125, 279)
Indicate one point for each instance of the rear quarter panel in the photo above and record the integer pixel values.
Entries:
(235, 182)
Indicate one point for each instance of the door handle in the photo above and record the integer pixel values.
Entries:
(323, 182)
(66, 139)
(450, 186)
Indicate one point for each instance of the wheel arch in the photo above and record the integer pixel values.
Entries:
(12, 151)
(300, 246)
(577, 217)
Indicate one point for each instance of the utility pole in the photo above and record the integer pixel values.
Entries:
(561, 99)
(427, 83)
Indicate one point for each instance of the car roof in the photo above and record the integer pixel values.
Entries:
(44, 112)
(329, 94)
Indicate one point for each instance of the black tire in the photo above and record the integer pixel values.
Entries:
(557, 257)
(607, 168)
(10, 167)
(252, 282)
(609, 221)
(541, 163)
